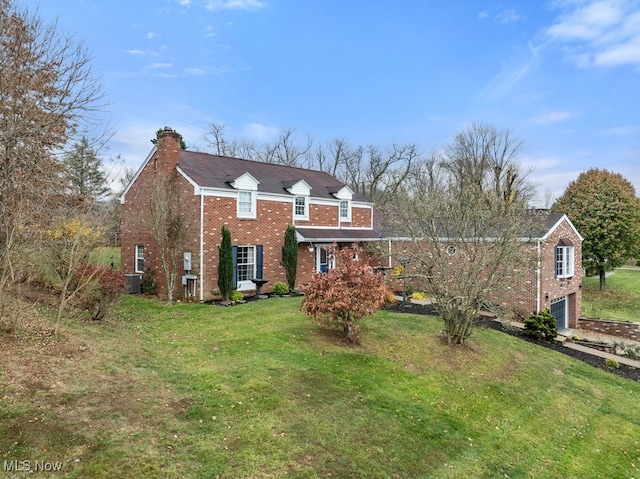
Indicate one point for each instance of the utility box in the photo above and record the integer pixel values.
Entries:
(134, 283)
(187, 261)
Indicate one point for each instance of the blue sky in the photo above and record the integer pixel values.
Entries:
(563, 75)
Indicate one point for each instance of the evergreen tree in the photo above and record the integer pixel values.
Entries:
(290, 255)
(84, 171)
(225, 264)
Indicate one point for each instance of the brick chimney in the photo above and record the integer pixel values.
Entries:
(168, 150)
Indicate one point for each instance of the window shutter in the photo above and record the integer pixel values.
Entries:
(259, 261)
(234, 253)
(555, 261)
(570, 261)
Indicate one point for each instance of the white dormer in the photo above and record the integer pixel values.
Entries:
(299, 188)
(344, 193)
(245, 182)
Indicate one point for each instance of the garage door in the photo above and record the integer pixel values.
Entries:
(559, 311)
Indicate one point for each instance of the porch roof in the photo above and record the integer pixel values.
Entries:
(329, 235)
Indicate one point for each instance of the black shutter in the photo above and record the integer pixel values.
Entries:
(259, 261)
(234, 253)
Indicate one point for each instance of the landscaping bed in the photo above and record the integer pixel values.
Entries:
(624, 371)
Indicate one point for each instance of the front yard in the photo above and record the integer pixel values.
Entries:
(257, 390)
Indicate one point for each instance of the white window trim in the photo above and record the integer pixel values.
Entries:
(246, 285)
(247, 214)
(568, 261)
(137, 257)
(345, 219)
(305, 216)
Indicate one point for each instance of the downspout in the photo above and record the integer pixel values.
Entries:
(201, 245)
(538, 278)
(389, 253)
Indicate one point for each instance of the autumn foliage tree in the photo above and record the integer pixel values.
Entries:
(345, 294)
(604, 208)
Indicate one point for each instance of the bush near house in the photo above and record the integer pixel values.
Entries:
(541, 326)
(345, 294)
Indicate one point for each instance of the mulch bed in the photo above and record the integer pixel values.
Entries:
(624, 371)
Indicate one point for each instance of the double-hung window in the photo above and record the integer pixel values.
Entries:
(139, 250)
(301, 207)
(246, 204)
(345, 210)
(564, 261)
(246, 263)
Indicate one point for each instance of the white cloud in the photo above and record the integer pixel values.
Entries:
(483, 15)
(251, 5)
(159, 65)
(512, 73)
(508, 16)
(134, 52)
(260, 132)
(554, 117)
(151, 35)
(599, 32)
(621, 131)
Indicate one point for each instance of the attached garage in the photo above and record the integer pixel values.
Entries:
(559, 311)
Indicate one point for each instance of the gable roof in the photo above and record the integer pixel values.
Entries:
(213, 171)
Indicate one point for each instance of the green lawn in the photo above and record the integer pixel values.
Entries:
(105, 255)
(257, 391)
(620, 301)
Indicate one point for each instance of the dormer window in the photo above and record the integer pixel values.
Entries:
(301, 207)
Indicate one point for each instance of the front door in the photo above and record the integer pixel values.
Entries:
(559, 311)
(324, 260)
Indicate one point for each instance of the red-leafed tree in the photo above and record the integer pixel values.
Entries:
(345, 294)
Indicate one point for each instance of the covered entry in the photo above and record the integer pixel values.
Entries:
(559, 311)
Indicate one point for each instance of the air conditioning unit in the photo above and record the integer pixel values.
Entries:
(135, 283)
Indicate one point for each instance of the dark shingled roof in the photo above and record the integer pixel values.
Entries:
(215, 171)
(334, 234)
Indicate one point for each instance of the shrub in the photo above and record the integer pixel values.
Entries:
(630, 350)
(225, 265)
(611, 363)
(290, 256)
(280, 288)
(236, 295)
(389, 297)
(148, 285)
(345, 294)
(418, 295)
(541, 326)
(104, 287)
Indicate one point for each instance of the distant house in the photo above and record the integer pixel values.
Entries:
(554, 283)
(257, 201)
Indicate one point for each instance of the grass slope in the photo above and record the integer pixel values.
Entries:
(620, 301)
(257, 390)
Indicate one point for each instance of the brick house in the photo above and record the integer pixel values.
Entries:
(256, 201)
(554, 283)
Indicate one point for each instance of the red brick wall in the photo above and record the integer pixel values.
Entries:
(614, 328)
(267, 229)
(522, 297)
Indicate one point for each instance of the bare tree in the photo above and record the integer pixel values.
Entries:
(484, 157)
(47, 92)
(166, 222)
(75, 231)
(285, 150)
(464, 241)
(226, 146)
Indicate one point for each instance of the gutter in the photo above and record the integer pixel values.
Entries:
(201, 245)
(538, 277)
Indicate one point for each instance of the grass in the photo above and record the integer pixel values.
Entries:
(620, 301)
(105, 255)
(257, 390)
